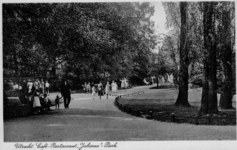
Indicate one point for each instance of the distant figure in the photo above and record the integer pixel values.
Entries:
(15, 86)
(36, 102)
(88, 87)
(66, 93)
(122, 84)
(47, 87)
(42, 86)
(126, 83)
(19, 87)
(107, 87)
(47, 102)
(57, 102)
(36, 84)
(93, 91)
(29, 86)
(100, 89)
(84, 87)
(114, 88)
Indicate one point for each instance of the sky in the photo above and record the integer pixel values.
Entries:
(159, 17)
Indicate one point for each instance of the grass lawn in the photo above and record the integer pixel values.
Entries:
(161, 102)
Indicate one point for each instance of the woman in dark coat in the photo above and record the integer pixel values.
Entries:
(66, 93)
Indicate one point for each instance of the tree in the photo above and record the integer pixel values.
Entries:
(184, 62)
(209, 94)
(82, 41)
(225, 53)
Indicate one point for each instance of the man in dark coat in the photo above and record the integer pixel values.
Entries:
(66, 93)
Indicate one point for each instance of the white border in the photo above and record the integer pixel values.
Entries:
(139, 145)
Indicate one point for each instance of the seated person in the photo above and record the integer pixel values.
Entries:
(46, 103)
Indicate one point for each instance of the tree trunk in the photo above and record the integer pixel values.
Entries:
(226, 92)
(209, 94)
(182, 99)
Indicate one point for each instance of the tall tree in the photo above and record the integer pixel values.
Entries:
(184, 62)
(209, 94)
(174, 12)
(226, 54)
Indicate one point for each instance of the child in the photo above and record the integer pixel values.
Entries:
(93, 91)
(47, 102)
(57, 102)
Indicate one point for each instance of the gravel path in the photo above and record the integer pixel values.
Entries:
(90, 119)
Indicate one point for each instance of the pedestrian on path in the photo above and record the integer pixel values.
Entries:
(85, 87)
(93, 91)
(114, 88)
(47, 87)
(100, 89)
(88, 87)
(123, 84)
(66, 93)
(107, 87)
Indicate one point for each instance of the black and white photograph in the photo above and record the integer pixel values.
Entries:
(108, 75)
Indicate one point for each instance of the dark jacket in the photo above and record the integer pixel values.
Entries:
(65, 89)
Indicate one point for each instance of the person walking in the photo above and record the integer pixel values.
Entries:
(123, 84)
(107, 87)
(100, 89)
(85, 87)
(93, 91)
(66, 93)
(47, 87)
(114, 88)
(88, 87)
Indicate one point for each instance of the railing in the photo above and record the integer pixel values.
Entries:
(132, 94)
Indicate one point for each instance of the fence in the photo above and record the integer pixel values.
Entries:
(132, 94)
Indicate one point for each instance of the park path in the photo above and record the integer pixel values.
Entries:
(90, 119)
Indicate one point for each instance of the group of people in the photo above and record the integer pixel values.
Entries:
(101, 89)
(87, 87)
(32, 92)
(36, 92)
(38, 96)
(124, 83)
(27, 86)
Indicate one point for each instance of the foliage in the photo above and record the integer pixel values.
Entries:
(78, 40)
